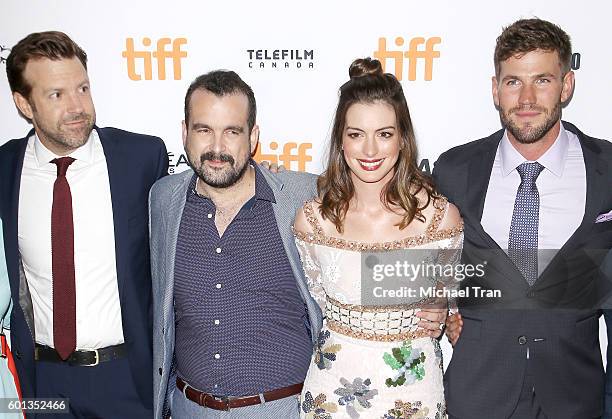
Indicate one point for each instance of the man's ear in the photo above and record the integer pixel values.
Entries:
(254, 139)
(494, 90)
(568, 86)
(23, 105)
(184, 129)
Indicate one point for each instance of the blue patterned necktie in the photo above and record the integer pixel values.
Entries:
(523, 240)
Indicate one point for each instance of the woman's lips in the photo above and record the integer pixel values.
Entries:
(370, 165)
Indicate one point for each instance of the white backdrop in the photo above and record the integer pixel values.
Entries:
(297, 97)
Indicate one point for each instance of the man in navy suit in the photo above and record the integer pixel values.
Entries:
(73, 198)
(536, 203)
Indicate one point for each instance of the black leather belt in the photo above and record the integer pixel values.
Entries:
(82, 358)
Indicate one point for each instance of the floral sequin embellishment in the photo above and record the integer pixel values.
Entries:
(355, 396)
(408, 364)
(408, 410)
(318, 407)
(325, 354)
(438, 353)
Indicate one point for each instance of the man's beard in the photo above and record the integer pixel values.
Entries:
(223, 177)
(530, 134)
(69, 139)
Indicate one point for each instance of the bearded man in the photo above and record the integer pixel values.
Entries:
(535, 199)
(73, 199)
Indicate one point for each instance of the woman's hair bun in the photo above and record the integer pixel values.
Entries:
(365, 67)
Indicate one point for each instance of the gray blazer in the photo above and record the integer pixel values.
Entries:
(166, 203)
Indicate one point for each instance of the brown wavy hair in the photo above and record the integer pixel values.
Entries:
(527, 35)
(369, 84)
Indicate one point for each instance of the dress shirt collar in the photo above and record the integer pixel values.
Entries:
(553, 159)
(85, 153)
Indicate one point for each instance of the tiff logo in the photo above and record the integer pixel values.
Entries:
(413, 54)
(292, 152)
(161, 54)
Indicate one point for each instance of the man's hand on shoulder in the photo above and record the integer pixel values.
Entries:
(273, 167)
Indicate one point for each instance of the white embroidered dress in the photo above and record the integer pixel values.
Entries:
(372, 361)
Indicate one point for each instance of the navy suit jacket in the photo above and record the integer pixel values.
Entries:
(134, 163)
(608, 393)
(559, 315)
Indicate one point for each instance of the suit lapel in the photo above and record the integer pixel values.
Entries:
(284, 218)
(116, 167)
(596, 190)
(13, 183)
(479, 174)
(172, 215)
(13, 259)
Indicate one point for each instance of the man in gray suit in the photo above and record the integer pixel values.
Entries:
(234, 323)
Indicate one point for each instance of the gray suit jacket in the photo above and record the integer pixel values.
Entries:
(166, 203)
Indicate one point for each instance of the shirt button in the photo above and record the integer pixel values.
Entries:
(217, 356)
(216, 385)
(218, 286)
(218, 250)
(216, 321)
(522, 340)
(209, 215)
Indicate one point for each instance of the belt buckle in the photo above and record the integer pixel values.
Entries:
(224, 399)
(97, 359)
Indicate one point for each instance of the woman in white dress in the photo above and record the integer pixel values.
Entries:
(373, 358)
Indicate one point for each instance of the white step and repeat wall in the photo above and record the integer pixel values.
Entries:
(295, 55)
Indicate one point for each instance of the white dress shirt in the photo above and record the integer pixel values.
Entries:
(98, 312)
(562, 189)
